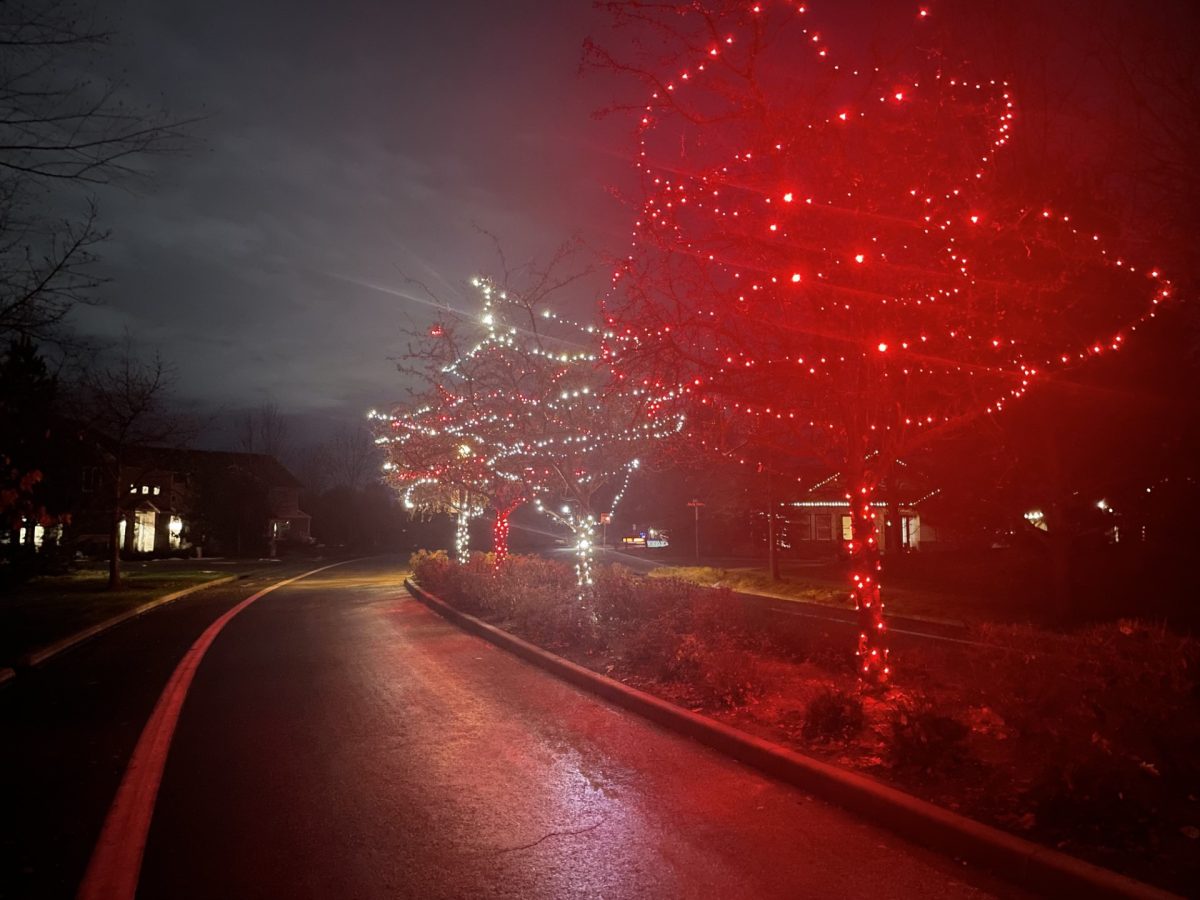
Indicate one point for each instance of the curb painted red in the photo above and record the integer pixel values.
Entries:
(116, 863)
(39, 656)
(1022, 862)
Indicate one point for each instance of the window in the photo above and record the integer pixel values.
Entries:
(804, 527)
(847, 529)
(174, 532)
(145, 488)
(143, 531)
(157, 490)
(824, 527)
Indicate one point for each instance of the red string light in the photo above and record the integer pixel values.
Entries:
(931, 292)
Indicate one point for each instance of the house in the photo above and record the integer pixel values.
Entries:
(215, 501)
(818, 522)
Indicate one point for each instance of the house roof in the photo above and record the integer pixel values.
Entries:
(911, 487)
(265, 468)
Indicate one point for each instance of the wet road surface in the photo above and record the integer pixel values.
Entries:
(67, 729)
(342, 741)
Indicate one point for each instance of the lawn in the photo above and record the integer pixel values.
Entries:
(1011, 585)
(824, 586)
(45, 609)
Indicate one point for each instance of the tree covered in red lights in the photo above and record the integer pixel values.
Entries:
(832, 254)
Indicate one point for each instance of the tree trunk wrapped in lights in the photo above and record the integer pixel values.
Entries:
(500, 530)
(584, 547)
(462, 535)
(828, 257)
(865, 568)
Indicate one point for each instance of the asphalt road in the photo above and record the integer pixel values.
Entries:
(342, 741)
(68, 727)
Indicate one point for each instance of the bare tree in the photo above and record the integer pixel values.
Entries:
(61, 134)
(265, 430)
(351, 457)
(312, 467)
(129, 407)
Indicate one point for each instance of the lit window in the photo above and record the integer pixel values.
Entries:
(847, 529)
(145, 488)
(157, 490)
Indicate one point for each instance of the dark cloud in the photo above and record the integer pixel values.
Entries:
(343, 145)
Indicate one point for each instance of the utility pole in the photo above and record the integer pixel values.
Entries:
(695, 505)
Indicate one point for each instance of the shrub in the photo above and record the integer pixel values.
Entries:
(689, 658)
(923, 739)
(430, 569)
(720, 615)
(833, 715)
(727, 677)
(471, 587)
(1114, 800)
(620, 596)
(543, 602)
(673, 596)
(721, 674)
(654, 646)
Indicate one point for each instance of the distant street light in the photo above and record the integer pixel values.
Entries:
(695, 505)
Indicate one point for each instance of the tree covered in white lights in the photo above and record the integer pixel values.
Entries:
(522, 406)
(432, 470)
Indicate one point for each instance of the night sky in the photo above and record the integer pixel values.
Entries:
(343, 147)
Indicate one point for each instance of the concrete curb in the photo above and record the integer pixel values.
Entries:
(37, 657)
(1022, 862)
